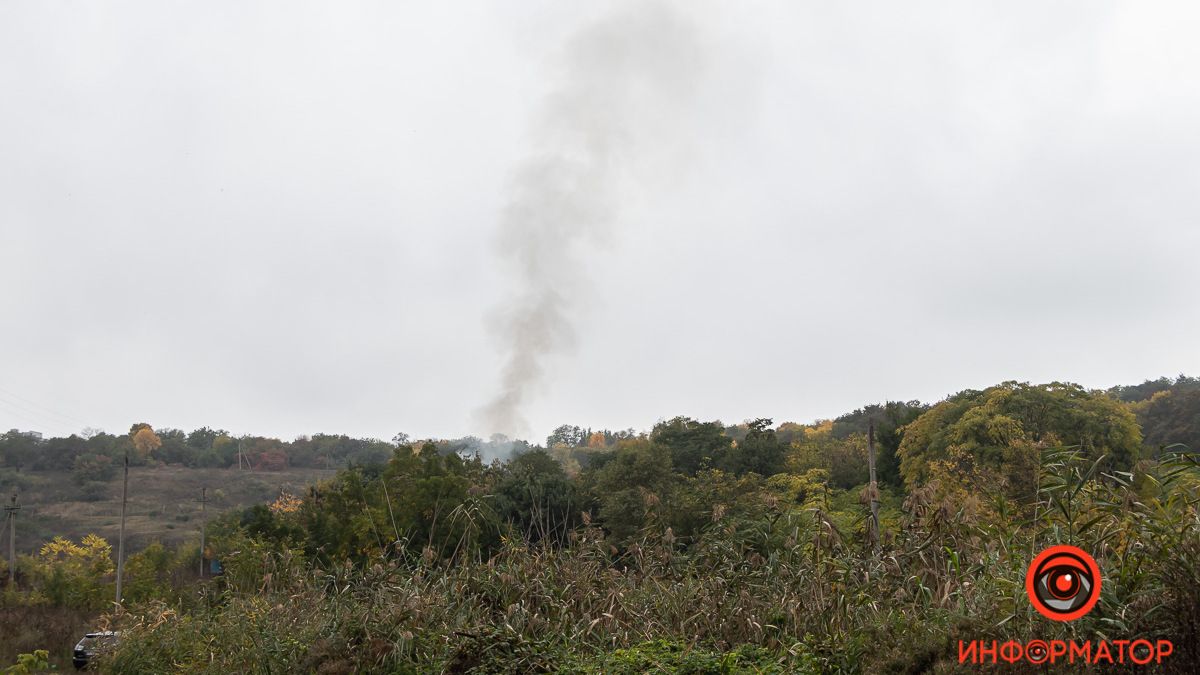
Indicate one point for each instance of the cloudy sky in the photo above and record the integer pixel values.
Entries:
(287, 218)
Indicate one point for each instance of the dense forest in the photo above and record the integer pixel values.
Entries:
(695, 547)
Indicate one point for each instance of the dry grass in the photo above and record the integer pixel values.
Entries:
(772, 586)
(24, 629)
(163, 502)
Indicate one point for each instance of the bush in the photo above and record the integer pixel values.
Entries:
(93, 467)
(93, 491)
(36, 661)
(74, 575)
(12, 480)
(780, 578)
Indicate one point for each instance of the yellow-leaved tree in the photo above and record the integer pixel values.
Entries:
(145, 441)
(75, 575)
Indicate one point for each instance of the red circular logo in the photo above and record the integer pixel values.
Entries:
(1063, 583)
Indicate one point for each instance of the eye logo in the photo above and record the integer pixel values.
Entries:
(1063, 583)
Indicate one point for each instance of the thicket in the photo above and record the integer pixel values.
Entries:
(691, 550)
(695, 548)
(769, 588)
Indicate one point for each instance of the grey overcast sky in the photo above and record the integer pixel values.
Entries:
(286, 218)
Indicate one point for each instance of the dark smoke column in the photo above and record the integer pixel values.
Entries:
(625, 81)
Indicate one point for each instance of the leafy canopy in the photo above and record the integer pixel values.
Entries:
(1004, 426)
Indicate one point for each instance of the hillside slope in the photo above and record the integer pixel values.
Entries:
(163, 501)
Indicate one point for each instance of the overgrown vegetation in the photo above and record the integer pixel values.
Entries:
(695, 548)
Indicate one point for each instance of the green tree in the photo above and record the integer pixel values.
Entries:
(1002, 428)
(848, 464)
(222, 454)
(842, 459)
(536, 498)
(1171, 416)
(568, 435)
(147, 573)
(1146, 390)
(693, 445)
(19, 449)
(759, 451)
(174, 449)
(203, 438)
(93, 467)
(631, 485)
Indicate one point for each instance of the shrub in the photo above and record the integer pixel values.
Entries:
(93, 491)
(93, 467)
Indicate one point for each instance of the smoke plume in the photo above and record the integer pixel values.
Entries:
(626, 79)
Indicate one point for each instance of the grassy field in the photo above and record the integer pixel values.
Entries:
(163, 502)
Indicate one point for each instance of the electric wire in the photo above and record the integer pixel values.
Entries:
(33, 406)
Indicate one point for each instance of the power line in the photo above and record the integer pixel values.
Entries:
(36, 413)
(31, 415)
(28, 417)
(19, 413)
(67, 418)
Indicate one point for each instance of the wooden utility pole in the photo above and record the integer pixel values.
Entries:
(11, 512)
(203, 501)
(874, 487)
(121, 534)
